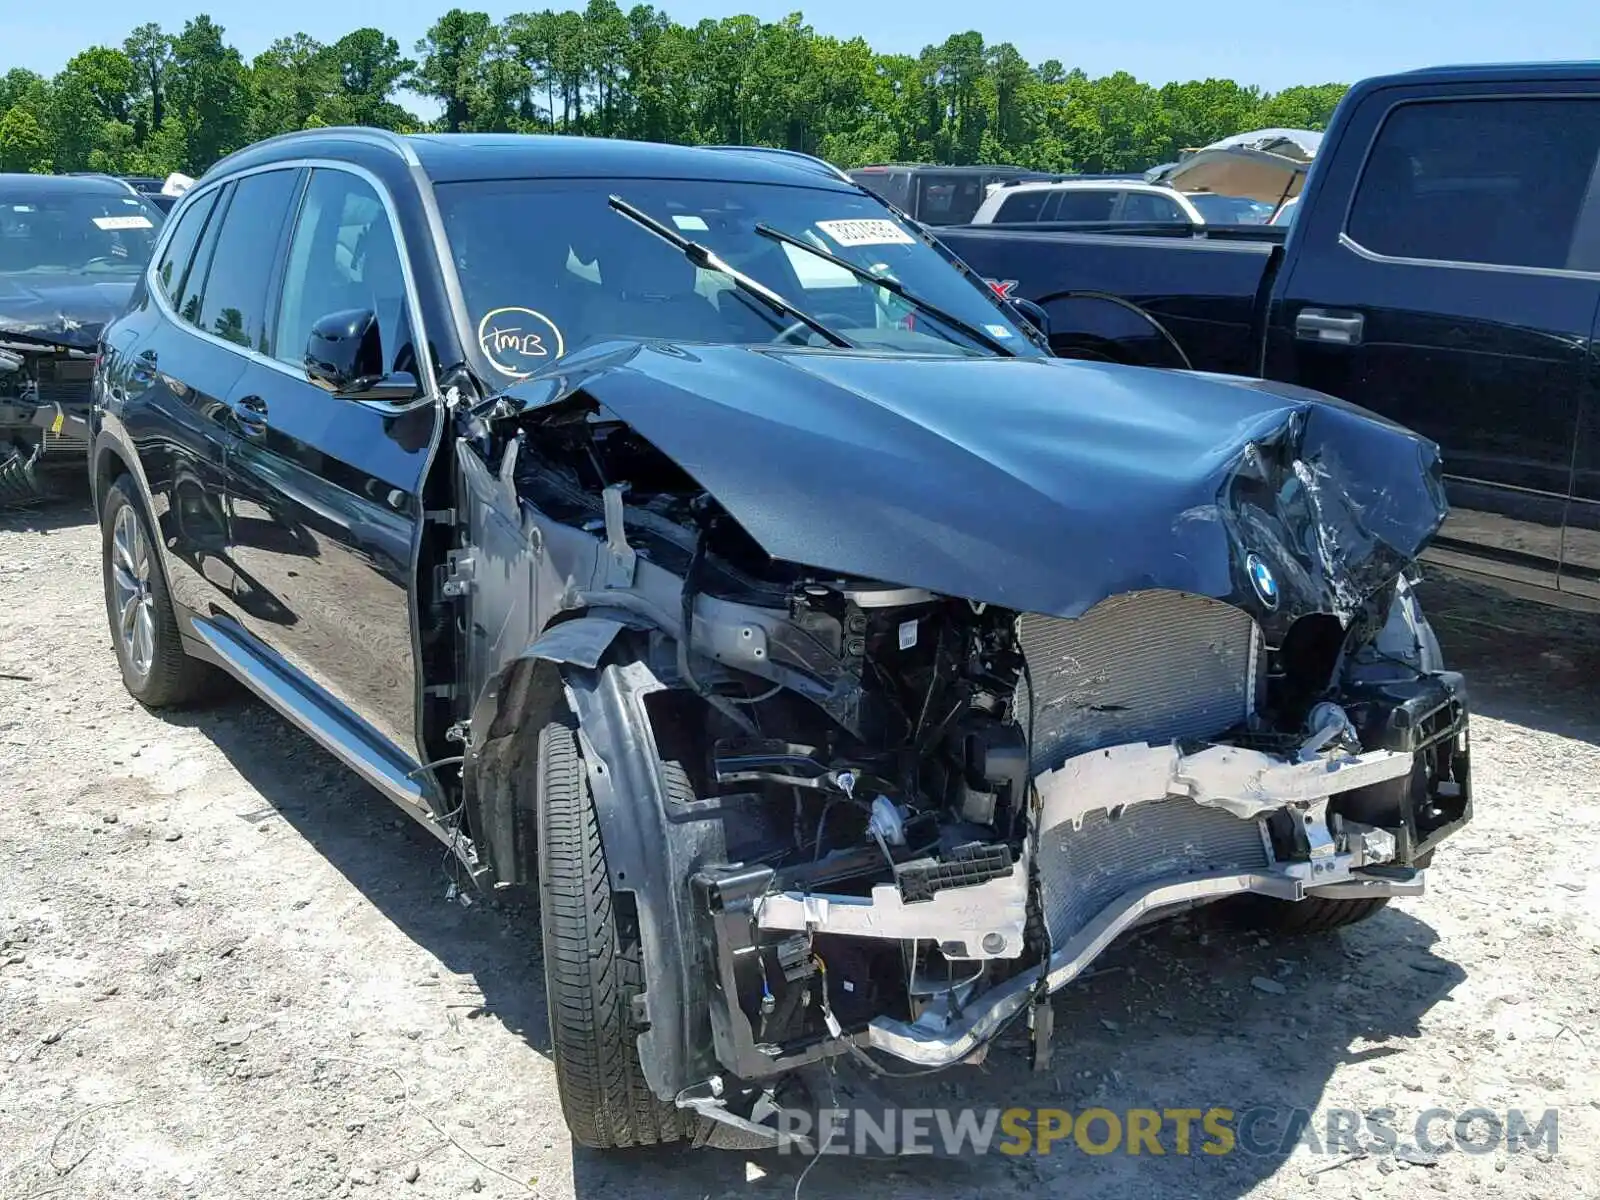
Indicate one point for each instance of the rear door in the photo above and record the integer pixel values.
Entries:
(166, 387)
(325, 492)
(1455, 296)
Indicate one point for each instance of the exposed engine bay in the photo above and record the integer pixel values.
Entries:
(44, 399)
(854, 815)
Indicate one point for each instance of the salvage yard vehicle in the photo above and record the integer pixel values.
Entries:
(71, 248)
(1443, 270)
(678, 534)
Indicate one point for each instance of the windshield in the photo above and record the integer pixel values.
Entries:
(75, 233)
(548, 267)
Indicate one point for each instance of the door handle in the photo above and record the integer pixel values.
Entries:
(1320, 325)
(251, 414)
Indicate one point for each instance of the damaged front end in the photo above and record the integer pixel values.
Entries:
(44, 406)
(897, 712)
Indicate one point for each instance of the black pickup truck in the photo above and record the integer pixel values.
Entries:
(1443, 270)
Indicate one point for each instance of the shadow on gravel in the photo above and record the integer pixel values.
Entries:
(1527, 663)
(394, 863)
(1169, 1019)
(65, 511)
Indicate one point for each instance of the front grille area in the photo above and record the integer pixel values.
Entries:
(1084, 869)
(1146, 666)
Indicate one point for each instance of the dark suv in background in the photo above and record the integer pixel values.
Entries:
(680, 533)
(71, 250)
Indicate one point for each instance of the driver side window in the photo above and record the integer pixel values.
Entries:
(342, 257)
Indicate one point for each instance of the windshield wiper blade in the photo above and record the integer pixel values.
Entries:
(980, 336)
(704, 256)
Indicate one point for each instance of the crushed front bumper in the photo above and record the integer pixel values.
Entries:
(1127, 834)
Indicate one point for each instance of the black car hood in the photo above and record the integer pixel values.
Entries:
(63, 310)
(1042, 485)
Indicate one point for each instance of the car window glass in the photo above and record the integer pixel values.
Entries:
(1085, 205)
(343, 257)
(99, 233)
(547, 267)
(179, 251)
(1478, 181)
(1142, 206)
(893, 186)
(194, 280)
(234, 301)
(950, 199)
(1022, 206)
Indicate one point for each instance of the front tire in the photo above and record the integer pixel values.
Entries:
(144, 627)
(592, 968)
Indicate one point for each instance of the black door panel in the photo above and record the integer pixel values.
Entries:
(323, 505)
(1444, 301)
(324, 493)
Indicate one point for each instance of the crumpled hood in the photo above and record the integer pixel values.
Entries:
(1043, 485)
(68, 310)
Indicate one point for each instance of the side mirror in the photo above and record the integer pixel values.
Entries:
(1034, 312)
(344, 354)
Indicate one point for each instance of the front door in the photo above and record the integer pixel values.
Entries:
(325, 493)
(1456, 295)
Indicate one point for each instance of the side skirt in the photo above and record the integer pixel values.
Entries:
(330, 724)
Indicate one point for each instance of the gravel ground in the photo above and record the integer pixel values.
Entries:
(228, 969)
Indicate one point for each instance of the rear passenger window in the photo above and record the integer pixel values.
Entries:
(234, 303)
(343, 257)
(1498, 182)
(1085, 205)
(175, 258)
(1024, 206)
(1143, 207)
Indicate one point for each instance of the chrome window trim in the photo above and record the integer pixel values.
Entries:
(1416, 101)
(1355, 247)
(428, 381)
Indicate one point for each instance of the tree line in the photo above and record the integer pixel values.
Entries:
(165, 102)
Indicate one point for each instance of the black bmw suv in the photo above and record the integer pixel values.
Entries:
(684, 535)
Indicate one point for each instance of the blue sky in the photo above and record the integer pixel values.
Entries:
(1272, 43)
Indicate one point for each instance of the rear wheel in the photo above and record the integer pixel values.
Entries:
(144, 628)
(592, 968)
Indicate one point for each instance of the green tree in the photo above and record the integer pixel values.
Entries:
(162, 103)
(149, 50)
(295, 82)
(210, 93)
(370, 70)
(453, 60)
(109, 78)
(23, 143)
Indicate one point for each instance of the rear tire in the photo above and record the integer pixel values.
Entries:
(592, 969)
(1292, 918)
(144, 626)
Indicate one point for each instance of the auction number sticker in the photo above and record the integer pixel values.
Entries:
(130, 222)
(866, 233)
(518, 341)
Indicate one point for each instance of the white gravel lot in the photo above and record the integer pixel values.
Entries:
(228, 969)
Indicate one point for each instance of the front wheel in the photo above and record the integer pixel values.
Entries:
(592, 968)
(144, 628)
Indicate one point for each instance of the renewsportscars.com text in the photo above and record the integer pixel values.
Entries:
(1214, 1131)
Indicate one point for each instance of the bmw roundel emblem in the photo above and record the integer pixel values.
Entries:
(1263, 580)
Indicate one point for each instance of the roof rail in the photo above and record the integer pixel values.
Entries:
(809, 159)
(371, 134)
